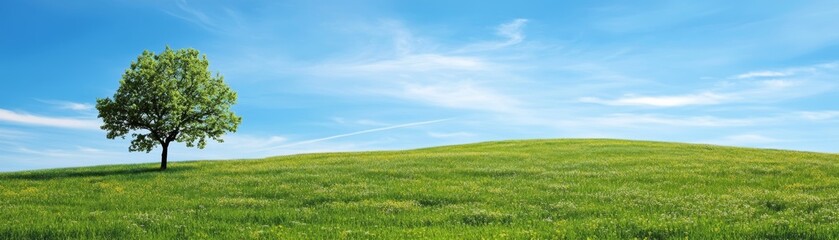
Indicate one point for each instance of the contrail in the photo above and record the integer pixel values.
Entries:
(361, 132)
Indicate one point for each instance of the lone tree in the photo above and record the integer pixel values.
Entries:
(171, 96)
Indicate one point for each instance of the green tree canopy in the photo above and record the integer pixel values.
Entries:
(171, 96)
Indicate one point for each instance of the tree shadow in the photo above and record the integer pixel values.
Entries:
(79, 173)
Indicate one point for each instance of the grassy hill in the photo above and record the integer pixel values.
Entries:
(509, 189)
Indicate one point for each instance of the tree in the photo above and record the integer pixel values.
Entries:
(169, 97)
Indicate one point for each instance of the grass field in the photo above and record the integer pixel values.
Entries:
(510, 189)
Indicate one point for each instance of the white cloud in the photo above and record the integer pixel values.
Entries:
(66, 105)
(12, 134)
(461, 95)
(90, 150)
(513, 31)
(414, 63)
(706, 98)
(762, 74)
(403, 40)
(78, 106)
(777, 84)
(236, 141)
(790, 72)
(409, 54)
(195, 16)
(656, 120)
(28, 119)
(79, 153)
(752, 87)
(435, 78)
(818, 115)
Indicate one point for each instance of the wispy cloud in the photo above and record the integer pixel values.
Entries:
(754, 87)
(67, 105)
(78, 106)
(761, 74)
(89, 149)
(431, 76)
(191, 14)
(659, 120)
(79, 153)
(459, 95)
(416, 63)
(241, 141)
(360, 132)
(59, 122)
(706, 98)
(12, 134)
(403, 40)
(815, 69)
(819, 115)
(512, 32)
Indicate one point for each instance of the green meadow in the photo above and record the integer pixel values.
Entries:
(529, 189)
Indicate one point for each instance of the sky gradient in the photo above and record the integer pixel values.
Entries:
(315, 76)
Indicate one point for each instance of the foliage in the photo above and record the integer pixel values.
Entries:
(541, 189)
(169, 97)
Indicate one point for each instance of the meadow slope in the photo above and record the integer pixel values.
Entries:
(568, 188)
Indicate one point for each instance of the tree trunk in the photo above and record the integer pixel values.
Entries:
(163, 156)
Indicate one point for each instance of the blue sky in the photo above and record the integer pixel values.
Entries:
(316, 76)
